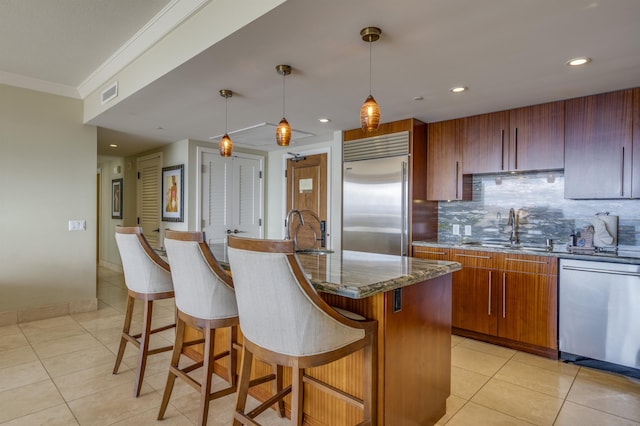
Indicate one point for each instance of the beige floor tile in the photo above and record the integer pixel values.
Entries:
(479, 346)
(93, 380)
(466, 383)
(109, 406)
(573, 414)
(475, 415)
(13, 341)
(546, 363)
(606, 392)
(52, 348)
(17, 356)
(480, 362)
(46, 334)
(28, 399)
(21, 375)
(454, 404)
(9, 330)
(456, 340)
(109, 337)
(59, 415)
(518, 402)
(80, 360)
(536, 378)
(172, 417)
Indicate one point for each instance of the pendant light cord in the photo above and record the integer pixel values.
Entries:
(226, 98)
(284, 76)
(370, 42)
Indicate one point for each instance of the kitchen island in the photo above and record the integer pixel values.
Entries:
(411, 300)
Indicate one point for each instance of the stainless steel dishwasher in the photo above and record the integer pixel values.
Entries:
(599, 312)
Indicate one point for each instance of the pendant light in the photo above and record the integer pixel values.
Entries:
(370, 111)
(225, 146)
(283, 131)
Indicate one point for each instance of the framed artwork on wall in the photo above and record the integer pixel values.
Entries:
(116, 199)
(172, 194)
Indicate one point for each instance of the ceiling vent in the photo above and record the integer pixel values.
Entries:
(109, 93)
(262, 134)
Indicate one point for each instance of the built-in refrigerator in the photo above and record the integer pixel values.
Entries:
(375, 194)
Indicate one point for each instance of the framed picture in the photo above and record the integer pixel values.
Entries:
(172, 195)
(116, 199)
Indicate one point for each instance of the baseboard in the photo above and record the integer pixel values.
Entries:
(21, 316)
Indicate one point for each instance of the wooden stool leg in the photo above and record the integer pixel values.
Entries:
(279, 376)
(205, 386)
(370, 383)
(175, 361)
(243, 383)
(297, 394)
(233, 356)
(125, 330)
(144, 345)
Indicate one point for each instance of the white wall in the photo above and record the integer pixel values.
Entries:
(48, 172)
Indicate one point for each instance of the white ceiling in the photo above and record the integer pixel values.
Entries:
(508, 53)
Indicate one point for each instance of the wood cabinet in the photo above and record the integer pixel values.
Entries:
(522, 139)
(599, 146)
(635, 178)
(444, 162)
(503, 298)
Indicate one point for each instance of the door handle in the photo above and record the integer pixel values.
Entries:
(235, 231)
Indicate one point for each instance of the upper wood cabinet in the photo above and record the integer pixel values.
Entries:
(635, 178)
(599, 146)
(485, 143)
(522, 139)
(444, 162)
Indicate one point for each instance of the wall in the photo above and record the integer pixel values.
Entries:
(48, 170)
(545, 211)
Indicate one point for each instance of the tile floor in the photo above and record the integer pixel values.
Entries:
(58, 372)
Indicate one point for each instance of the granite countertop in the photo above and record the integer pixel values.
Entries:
(623, 256)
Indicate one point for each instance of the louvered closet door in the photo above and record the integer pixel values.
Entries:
(149, 178)
(231, 196)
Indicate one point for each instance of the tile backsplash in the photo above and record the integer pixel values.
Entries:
(544, 212)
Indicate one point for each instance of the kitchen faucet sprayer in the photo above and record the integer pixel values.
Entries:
(513, 222)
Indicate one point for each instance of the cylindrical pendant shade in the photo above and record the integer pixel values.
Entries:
(283, 133)
(370, 115)
(225, 146)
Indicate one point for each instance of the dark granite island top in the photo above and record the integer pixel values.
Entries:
(357, 274)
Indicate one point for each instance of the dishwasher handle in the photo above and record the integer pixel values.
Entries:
(601, 271)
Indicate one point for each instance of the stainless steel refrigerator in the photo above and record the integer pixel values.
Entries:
(375, 194)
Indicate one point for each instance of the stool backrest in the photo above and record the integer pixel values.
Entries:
(202, 288)
(144, 270)
(279, 309)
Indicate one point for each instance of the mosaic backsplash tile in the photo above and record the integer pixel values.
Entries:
(543, 211)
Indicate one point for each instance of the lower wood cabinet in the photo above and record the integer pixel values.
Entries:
(506, 299)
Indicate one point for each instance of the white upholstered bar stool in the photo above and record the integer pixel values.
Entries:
(148, 278)
(205, 300)
(285, 321)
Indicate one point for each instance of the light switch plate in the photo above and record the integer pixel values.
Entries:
(456, 229)
(77, 225)
(467, 230)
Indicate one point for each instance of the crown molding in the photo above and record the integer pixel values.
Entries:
(39, 85)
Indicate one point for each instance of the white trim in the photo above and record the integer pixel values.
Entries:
(39, 85)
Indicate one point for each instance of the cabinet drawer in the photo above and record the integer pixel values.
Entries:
(476, 259)
(545, 265)
(435, 253)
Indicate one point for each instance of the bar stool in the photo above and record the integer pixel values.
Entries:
(148, 279)
(285, 321)
(205, 300)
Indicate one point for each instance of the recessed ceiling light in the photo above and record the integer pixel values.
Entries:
(418, 98)
(324, 120)
(578, 61)
(113, 145)
(459, 89)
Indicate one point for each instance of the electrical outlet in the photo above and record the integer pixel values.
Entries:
(456, 229)
(467, 230)
(77, 225)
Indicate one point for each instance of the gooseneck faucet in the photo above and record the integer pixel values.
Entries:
(288, 222)
(513, 222)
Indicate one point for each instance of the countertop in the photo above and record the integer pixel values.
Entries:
(623, 256)
(356, 274)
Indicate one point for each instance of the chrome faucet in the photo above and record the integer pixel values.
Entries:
(288, 222)
(513, 222)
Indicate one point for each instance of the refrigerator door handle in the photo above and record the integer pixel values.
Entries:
(404, 232)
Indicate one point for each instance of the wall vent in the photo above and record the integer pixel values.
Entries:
(109, 93)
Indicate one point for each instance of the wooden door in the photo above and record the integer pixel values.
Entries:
(485, 143)
(149, 199)
(537, 137)
(598, 146)
(307, 193)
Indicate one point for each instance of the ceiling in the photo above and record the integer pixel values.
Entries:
(508, 53)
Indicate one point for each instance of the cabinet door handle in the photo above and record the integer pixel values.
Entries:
(457, 168)
(515, 146)
(473, 256)
(504, 295)
(538, 262)
(622, 175)
(489, 294)
(502, 149)
(441, 253)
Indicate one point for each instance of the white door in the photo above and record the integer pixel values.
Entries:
(148, 199)
(232, 201)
